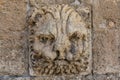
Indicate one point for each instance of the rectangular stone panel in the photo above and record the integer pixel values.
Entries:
(59, 38)
(12, 24)
(106, 36)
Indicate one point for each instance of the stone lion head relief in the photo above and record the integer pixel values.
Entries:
(59, 41)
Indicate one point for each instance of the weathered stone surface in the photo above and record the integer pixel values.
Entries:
(86, 1)
(60, 41)
(106, 38)
(15, 78)
(12, 24)
(106, 77)
(39, 2)
(58, 78)
(87, 77)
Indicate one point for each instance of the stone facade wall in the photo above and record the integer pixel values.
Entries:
(99, 22)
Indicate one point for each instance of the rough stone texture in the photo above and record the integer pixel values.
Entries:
(15, 78)
(106, 36)
(86, 1)
(58, 78)
(12, 24)
(60, 41)
(87, 77)
(107, 76)
(39, 2)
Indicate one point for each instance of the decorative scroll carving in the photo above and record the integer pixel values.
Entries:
(59, 41)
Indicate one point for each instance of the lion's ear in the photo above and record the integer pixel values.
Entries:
(85, 13)
(34, 12)
(34, 15)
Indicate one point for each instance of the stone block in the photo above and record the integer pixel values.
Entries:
(106, 36)
(12, 42)
(59, 39)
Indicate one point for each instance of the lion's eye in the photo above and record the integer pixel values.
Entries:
(43, 39)
(74, 37)
(46, 38)
(37, 17)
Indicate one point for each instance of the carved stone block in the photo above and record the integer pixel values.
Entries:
(60, 41)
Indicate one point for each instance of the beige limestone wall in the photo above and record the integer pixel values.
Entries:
(12, 25)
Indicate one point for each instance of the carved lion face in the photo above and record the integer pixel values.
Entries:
(59, 41)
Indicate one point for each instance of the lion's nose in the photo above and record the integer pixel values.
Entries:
(61, 46)
(60, 51)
